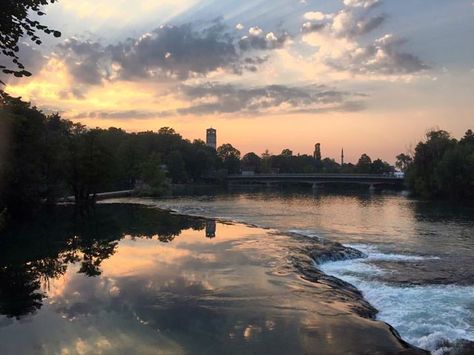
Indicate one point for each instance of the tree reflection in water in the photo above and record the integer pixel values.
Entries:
(32, 254)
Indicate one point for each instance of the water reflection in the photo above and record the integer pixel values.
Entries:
(210, 229)
(32, 254)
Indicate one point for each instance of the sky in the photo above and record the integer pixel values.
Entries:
(369, 76)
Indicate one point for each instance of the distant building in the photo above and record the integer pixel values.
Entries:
(317, 152)
(211, 138)
(342, 157)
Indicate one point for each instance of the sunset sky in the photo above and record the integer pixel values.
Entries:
(367, 75)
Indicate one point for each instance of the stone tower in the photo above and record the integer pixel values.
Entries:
(211, 138)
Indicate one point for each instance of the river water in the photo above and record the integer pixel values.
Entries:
(419, 270)
(243, 272)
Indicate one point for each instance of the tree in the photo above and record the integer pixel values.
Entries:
(176, 167)
(32, 155)
(15, 24)
(381, 167)
(287, 152)
(403, 162)
(364, 164)
(251, 161)
(152, 176)
(266, 162)
(421, 175)
(230, 157)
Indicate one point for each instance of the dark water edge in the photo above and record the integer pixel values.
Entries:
(44, 249)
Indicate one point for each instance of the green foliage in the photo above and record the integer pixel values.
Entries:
(32, 157)
(152, 176)
(443, 167)
(403, 162)
(230, 157)
(16, 24)
(176, 167)
(251, 162)
(89, 163)
(364, 164)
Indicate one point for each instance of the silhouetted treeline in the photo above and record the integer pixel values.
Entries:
(441, 166)
(288, 163)
(43, 157)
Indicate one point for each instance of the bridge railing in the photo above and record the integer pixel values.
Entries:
(316, 176)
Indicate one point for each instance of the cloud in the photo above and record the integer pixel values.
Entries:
(385, 56)
(348, 22)
(174, 52)
(117, 115)
(85, 60)
(168, 52)
(215, 98)
(335, 36)
(314, 16)
(361, 3)
(211, 98)
(258, 40)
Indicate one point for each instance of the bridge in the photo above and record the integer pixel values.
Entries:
(315, 180)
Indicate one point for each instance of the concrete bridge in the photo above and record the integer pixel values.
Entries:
(315, 180)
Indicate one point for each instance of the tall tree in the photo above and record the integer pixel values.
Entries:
(230, 157)
(364, 164)
(251, 161)
(403, 162)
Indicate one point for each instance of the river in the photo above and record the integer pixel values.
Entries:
(265, 278)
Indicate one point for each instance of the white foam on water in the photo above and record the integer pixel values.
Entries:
(425, 316)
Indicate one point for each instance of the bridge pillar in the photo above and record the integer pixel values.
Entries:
(372, 188)
(315, 186)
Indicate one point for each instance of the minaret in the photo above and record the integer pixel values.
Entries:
(342, 157)
(211, 138)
